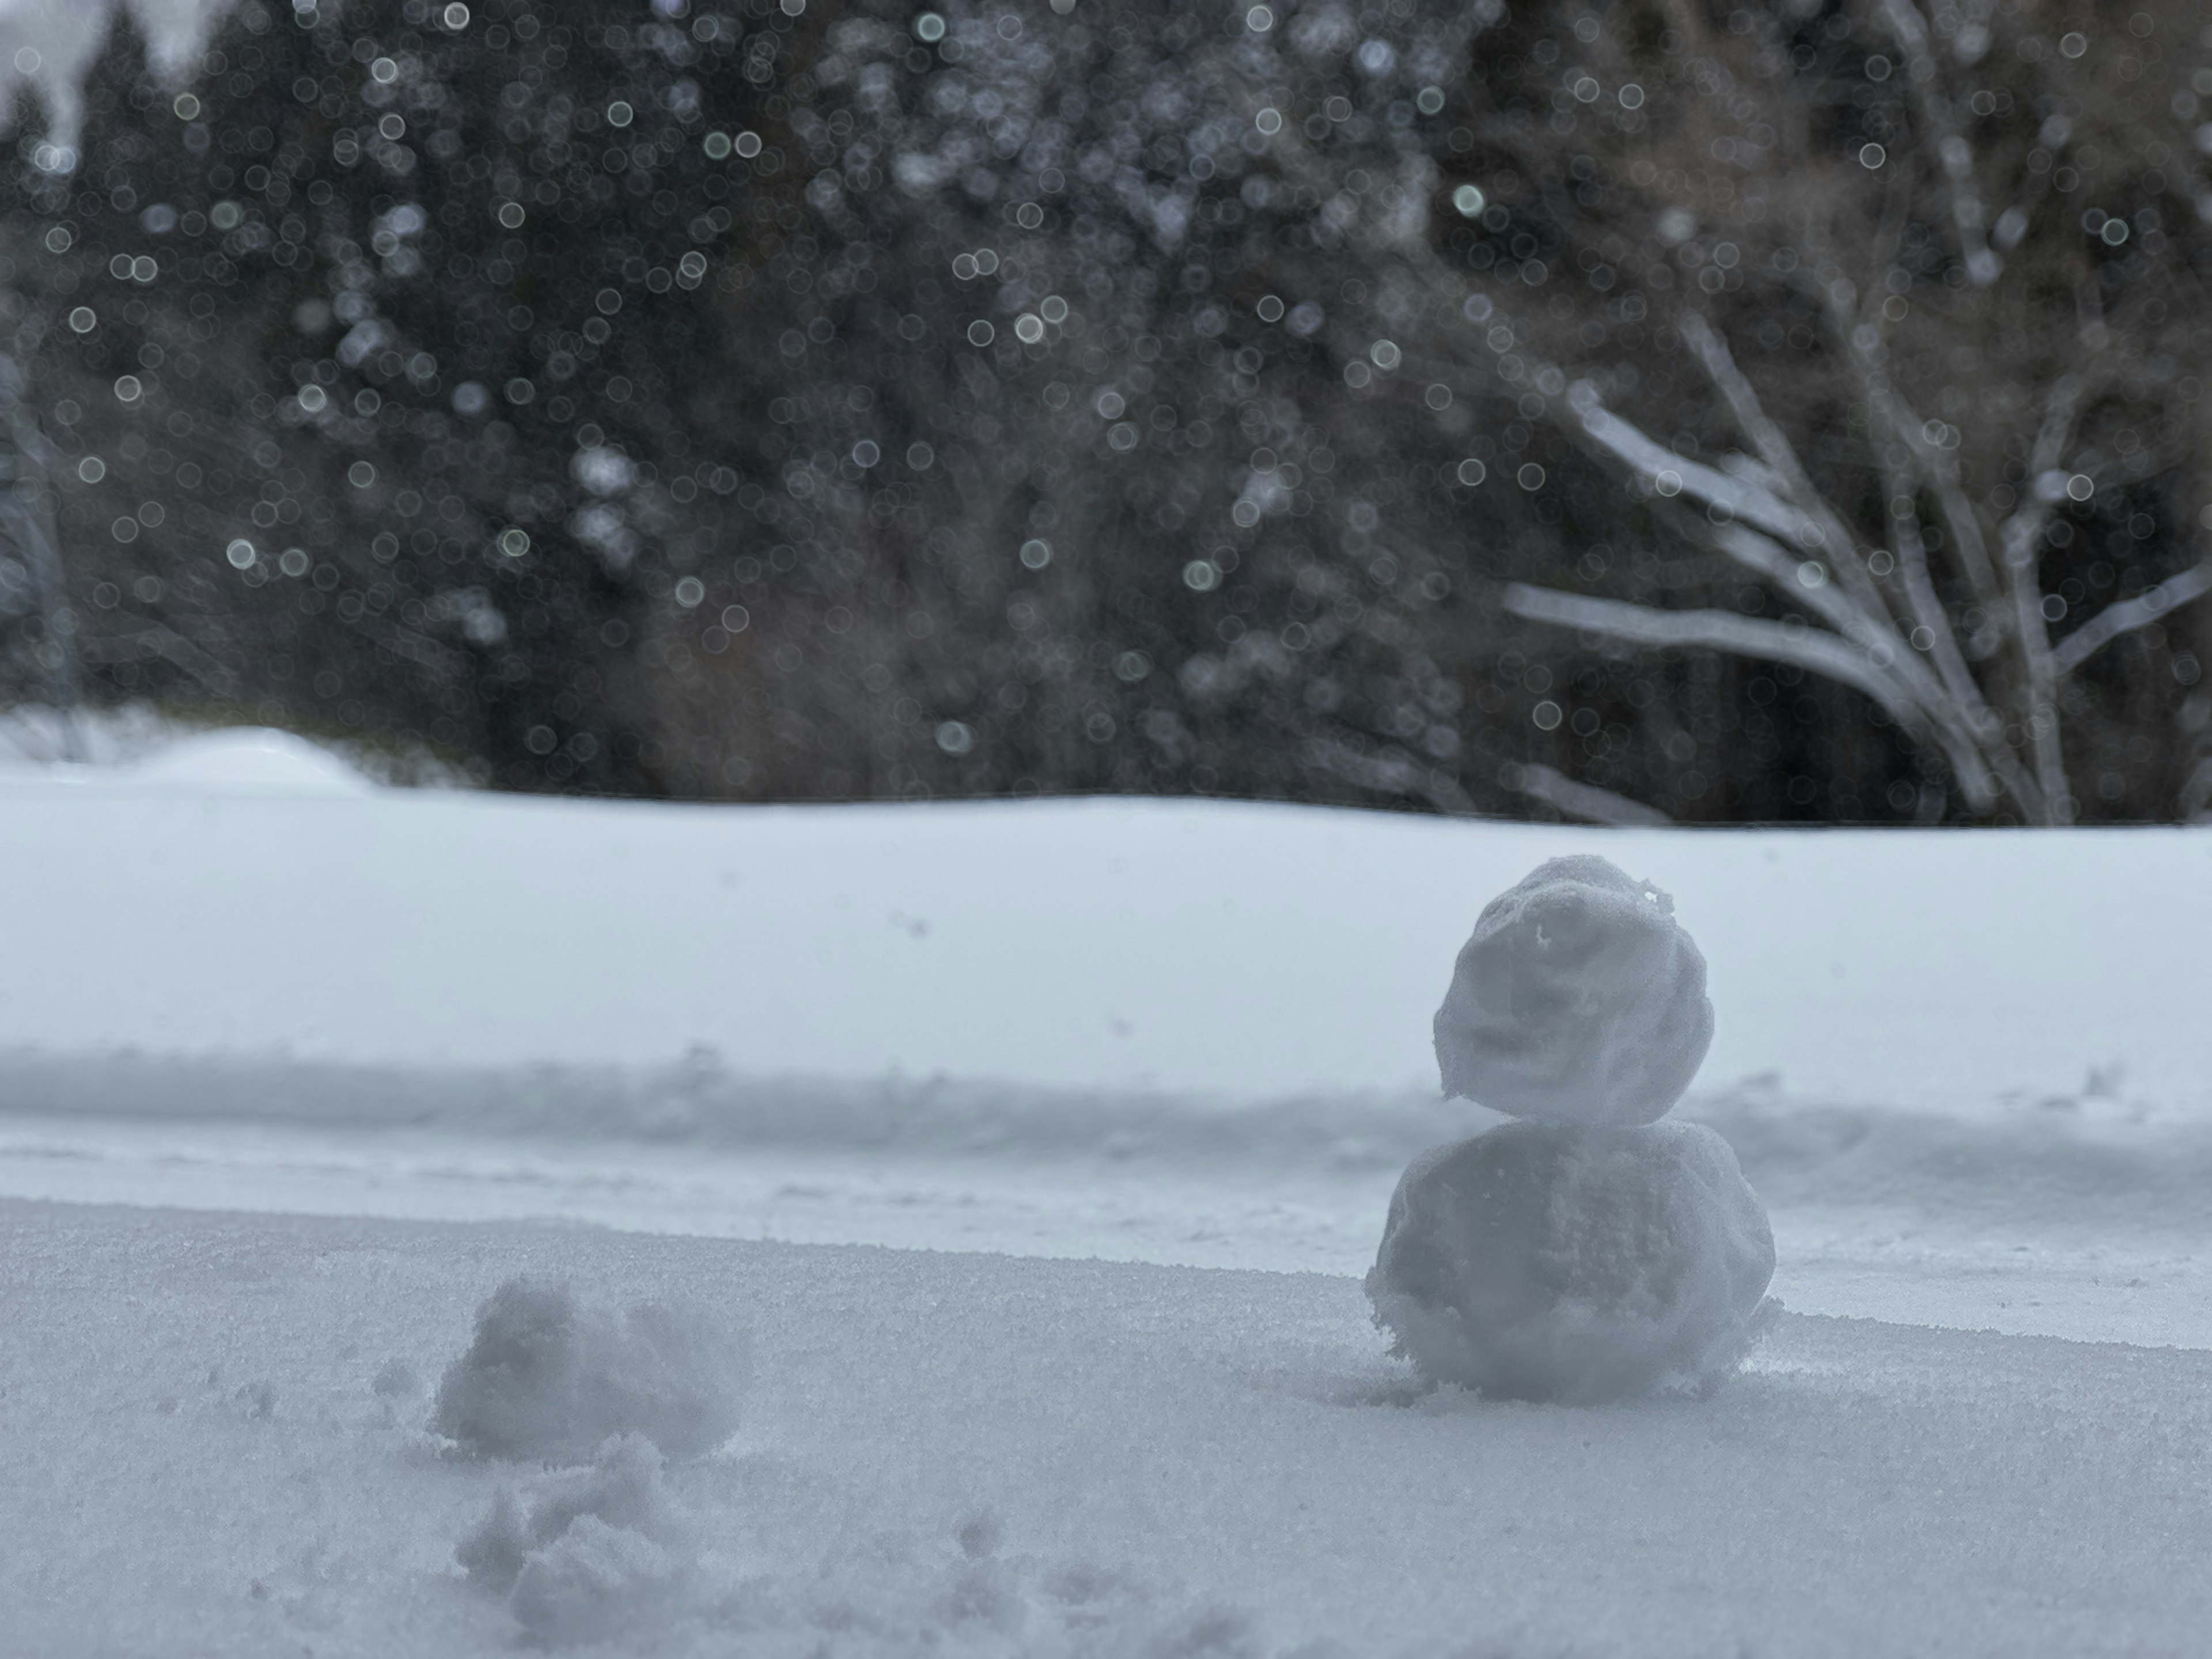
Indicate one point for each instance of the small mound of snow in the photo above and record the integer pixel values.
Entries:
(1544, 1262)
(251, 760)
(1579, 999)
(550, 1378)
(595, 1555)
(593, 1581)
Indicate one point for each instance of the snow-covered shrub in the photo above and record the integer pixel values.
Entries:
(1579, 999)
(1550, 1262)
(549, 1378)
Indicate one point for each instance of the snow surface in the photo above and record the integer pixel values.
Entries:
(1579, 999)
(974, 1454)
(1088, 1064)
(1204, 948)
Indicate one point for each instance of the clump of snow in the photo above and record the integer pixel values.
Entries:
(549, 1378)
(593, 1582)
(596, 1553)
(1579, 999)
(1551, 1261)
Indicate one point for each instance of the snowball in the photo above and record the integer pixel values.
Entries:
(550, 1378)
(1549, 1261)
(1579, 999)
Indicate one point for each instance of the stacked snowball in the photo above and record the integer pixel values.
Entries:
(1586, 1251)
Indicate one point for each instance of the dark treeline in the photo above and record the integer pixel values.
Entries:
(729, 399)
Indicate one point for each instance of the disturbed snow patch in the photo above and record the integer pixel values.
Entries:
(552, 1378)
(598, 1552)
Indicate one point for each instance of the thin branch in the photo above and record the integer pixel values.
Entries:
(1667, 472)
(1957, 156)
(1804, 580)
(1812, 649)
(2023, 534)
(1713, 353)
(1581, 800)
(1880, 643)
(1867, 356)
(2128, 615)
(1939, 470)
(2195, 800)
(1392, 773)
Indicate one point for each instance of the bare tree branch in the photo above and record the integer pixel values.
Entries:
(1939, 470)
(2127, 615)
(2023, 534)
(1669, 472)
(1812, 649)
(1581, 800)
(1842, 547)
(1986, 732)
(1956, 155)
(1391, 772)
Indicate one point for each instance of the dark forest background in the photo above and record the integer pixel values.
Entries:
(785, 400)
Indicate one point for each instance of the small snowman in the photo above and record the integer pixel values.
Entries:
(1585, 1251)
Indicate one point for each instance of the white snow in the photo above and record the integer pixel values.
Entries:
(967, 1455)
(1559, 1261)
(547, 1377)
(245, 761)
(1580, 999)
(1189, 947)
(1967, 1074)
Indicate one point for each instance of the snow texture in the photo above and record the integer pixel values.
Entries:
(1551, 1261)
(591, 1582)
(550, 1378)
(1579, 999)
(1172, 1460)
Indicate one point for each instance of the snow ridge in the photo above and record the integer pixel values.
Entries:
(2077, 1157)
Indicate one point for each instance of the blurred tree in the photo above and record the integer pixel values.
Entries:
(713, 398)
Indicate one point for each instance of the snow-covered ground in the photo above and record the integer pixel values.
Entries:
(195, 1458)
(1126, 1085)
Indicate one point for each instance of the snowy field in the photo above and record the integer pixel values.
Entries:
(293, 1071)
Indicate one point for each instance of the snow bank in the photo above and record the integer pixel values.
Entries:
(2099, 1152)
(549, 1378)
(1189, 948)
(1579, 999)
